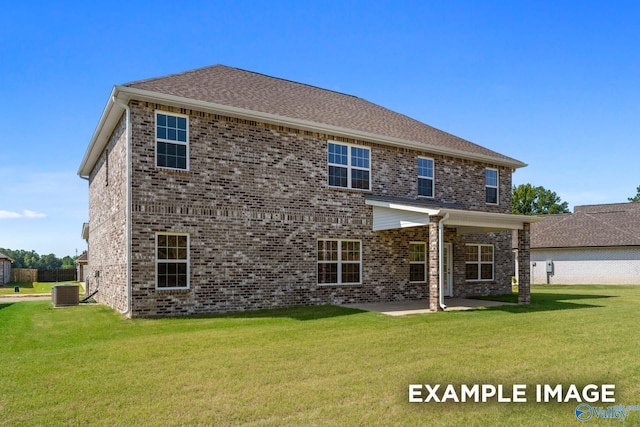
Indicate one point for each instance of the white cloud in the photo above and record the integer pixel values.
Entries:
(25, 214)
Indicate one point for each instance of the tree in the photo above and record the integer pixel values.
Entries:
(68, 262)
(529, 200)
(636, 198)
(31, 259)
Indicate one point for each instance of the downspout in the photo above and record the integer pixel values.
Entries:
(441, 261)
(127, 310)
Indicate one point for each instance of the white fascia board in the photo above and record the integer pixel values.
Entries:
(126, 94)
(403, 207)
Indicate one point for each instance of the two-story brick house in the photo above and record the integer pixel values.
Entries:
(221, 189)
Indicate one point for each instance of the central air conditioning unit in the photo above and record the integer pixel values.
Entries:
(65, 295)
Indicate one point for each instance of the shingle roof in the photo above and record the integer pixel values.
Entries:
(590, 226)
(248, 90)
(3, 256)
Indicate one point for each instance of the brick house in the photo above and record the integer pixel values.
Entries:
(220, 190)
(596, 244)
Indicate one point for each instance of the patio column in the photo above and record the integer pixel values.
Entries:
(524, 266)
(434, 264)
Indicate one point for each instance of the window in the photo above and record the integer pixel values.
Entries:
(425, 177)
(339, 261)
(172, 142)
(417, 262)
(479, 262)
(172, 261)
(349, 166)
(491, 186)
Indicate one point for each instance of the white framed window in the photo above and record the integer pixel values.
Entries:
(349, 166)
(491, 186)
(172, 261)
(425, 177)
(478, 262)
(339, 262)
(172, 141)
(417, 261)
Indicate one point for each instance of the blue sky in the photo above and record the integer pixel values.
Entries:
(552, 83)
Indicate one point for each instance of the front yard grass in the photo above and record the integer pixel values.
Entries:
(327, 365)
(32, 287)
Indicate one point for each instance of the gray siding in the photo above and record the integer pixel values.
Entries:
(615, 265)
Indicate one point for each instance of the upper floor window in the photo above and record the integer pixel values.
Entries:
(425, 177)
(349, 166)
(491, 186)
(172, 141)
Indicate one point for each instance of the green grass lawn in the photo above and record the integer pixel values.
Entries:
(306, 366)
(32, 287)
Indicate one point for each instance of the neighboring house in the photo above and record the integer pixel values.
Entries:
(5, 269)
(597, 244)
(81, 266)
(220, 190)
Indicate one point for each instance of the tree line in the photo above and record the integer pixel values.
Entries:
(31, 259)
(528, 199)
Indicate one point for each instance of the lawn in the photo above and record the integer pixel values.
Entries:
(87, 365)
(32, 287)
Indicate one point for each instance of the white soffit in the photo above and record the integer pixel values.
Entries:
(390, 219)
(388, 215)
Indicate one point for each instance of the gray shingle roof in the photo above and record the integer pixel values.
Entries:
(238, 88)
(590, 226)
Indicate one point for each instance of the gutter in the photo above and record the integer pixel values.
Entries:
(441, 261)
(127, 110)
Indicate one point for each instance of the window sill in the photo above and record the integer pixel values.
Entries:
(172, 171)
(173, 290)
(324, 285)
(349, 189)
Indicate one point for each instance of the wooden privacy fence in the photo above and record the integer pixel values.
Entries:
(24, 275)
(57, 275)
(51, 275)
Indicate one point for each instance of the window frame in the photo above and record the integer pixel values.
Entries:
(479, 263)
(339, 262)
(496, 187)
(349, 166)
(171, 141)
(186, 261)
(432, 177)
(423, 263)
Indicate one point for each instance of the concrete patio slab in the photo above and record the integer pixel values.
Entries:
(403, 308)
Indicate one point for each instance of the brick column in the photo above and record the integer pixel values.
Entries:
(524, 266)
(434, 264)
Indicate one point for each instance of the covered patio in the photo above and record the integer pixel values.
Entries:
(404, 308)
(394, 213)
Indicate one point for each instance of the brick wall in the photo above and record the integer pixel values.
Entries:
(254, 203)
(107, 217)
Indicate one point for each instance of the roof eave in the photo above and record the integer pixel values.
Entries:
(100, 136)
(126, 94)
